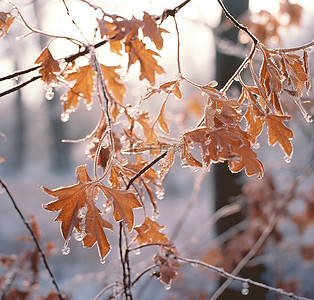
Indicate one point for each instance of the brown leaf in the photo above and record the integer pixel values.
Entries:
(94, 225)
(137, 52)
(150, 232)
(5, 22)
(168, 265)
(123, 203)
(49, 66)
(151, 30)
(114, 83)
(161, 120)
(83, 87)
(278, 132)
(71, 199)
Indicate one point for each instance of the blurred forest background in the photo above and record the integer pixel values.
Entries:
(34, 154)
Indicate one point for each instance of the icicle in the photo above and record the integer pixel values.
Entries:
(167, 287)
(49, 93)
(65, 249)
(102, 261)
(245, 289)
(288, 159)
(65, 117)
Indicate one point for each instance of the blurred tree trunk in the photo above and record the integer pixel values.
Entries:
(60, 158)
(228, 184)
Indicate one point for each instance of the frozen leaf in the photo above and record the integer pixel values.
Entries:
(5, 22)
(113, 82)
(123, 204)
(149, 131)
(278, 132)
(94, 231)
(137, 51)
(83, 87)
(49, 66)
(167, 87)
(168, 266)
(151, 30)
(150, 232)
(161, 120)
(72, 199)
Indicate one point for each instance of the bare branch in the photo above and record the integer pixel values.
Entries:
(35, 240)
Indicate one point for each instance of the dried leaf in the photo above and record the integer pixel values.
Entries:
(150, 232)
(94, 225)
(278, 132)
(72, 199)
(161, 120)
(83, 87)
(123, 203)
(151, 30)
(137, 52)
(49, 66)
(5, 22)
(113, 82)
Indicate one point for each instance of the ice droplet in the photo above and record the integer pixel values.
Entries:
(308, 118)
(167, 287)
(155, 215)
(160, 193)
(137, 252)
(65, 117)
(245, 292)
(79, 236)
(49, 93)
(102, 260)
(288, 159)
(65, 250)
(245, 289)
(256, 145)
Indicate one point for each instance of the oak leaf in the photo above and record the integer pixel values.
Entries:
(6, 20)
(49, 66)
(94, 225)
(113, 82)
(137, 51)
(278, 132)
(72, 199)
(151, 30)
(123, 203)
(83, 87)
(150, 232)
(161, 120)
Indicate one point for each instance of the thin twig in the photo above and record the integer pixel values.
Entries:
(237, 23)
(19, 73)
(143, 273)
(17, 87)
(35, 240)
(171, 12)
(142, 171)
(178, 46)
(109, 286)
(225, 274)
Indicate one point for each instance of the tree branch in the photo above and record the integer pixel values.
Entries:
(35, 240)
(225, 274)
